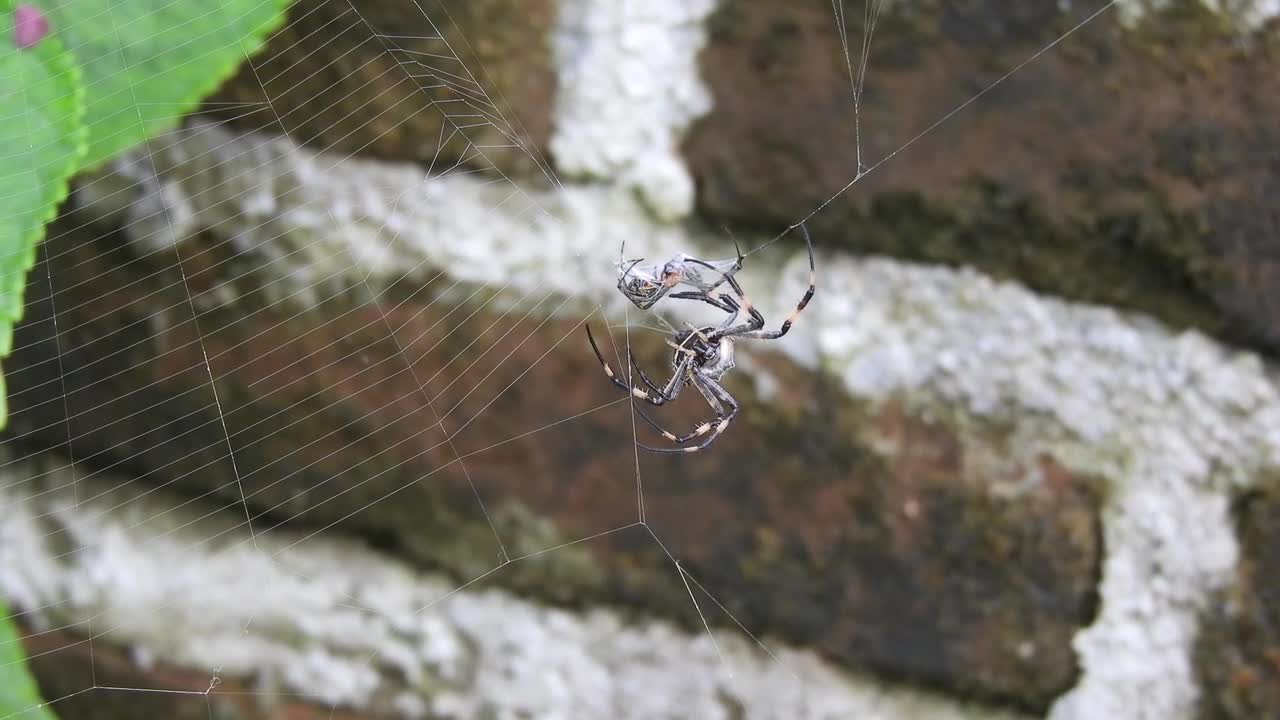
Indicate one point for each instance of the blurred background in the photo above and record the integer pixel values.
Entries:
(302, 421)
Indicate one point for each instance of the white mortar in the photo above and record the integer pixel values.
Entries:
(629, 88)
(185, 584)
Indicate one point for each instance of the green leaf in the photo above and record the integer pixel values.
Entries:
(42, 139)
(147, 63)
(18, 691)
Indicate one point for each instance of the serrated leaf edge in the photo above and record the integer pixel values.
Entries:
(254, 41)
(62, 59)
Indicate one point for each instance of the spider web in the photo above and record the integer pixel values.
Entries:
(460, 92)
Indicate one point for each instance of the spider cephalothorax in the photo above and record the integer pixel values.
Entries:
(713, 359)
(701, 356)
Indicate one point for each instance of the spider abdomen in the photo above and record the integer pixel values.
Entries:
(719, 360)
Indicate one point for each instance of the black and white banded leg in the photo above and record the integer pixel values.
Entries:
(753, 327)
(725, 407)
(654, 395)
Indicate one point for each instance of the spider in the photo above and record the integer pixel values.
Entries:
(701, 355)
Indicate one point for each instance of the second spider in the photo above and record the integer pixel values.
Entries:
(702, 355)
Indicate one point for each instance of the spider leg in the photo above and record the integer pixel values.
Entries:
(737, 265)
(662, 396)
(680, 440)
(722, 399)
(663, 431)
(644, 377)
(736, 249)
(712, 291)
(755, 320)
(681, 348)
(725, 303)
(759, 334)
(700, 333)
(678, 378)
(627, 273)
(699, 431)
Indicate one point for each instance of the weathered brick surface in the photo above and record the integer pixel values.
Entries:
(406, 81)
(888, 540)
(1131, 167)
(1238, 653)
